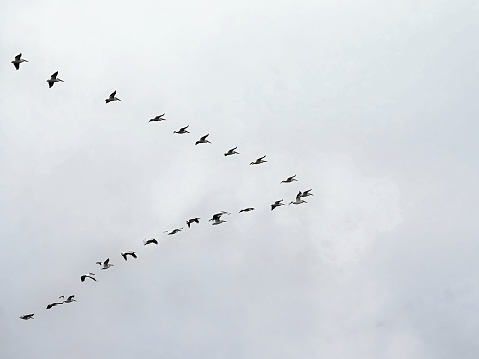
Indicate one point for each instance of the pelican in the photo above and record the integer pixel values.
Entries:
(217, 216)
(203, 139)
(53, 79)
(289, 179)
(191, 220)
(247, 209)
(51, 305)
(112, 97)
(306, 193)
(70, 299)
(27, 316)
(182, 130)
(106, 264)
(277, 204)
(158, 118)
(89, 275)
(298, 199)
(129, 253)
(18, 60)
(150, 241)
(232, 152)
(259, 161)
(174, 231)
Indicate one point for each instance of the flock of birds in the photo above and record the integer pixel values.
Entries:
(216, 218)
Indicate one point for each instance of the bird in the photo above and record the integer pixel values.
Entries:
(51, 81)
(218, 221)
(203, 140)
(277, 204)
(259, 161)
(182, 130)
(289, 179)
(27, 316)
(89, 275)
(298, 199)
(106, 264)
(306, 193)
(129, 253)
(247, 209)
(191, 220)
(174, 231)
(216, 217)
(112, 97)
(149, 241)
(70, 299)
(158, 118)
(18, 60)
(232, 152)
(51, 305)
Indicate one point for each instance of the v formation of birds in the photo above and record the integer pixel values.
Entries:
(216, 218)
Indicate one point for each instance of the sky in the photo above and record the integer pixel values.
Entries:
(370, 103)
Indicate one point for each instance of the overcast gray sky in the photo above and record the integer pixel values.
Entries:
(372, 104)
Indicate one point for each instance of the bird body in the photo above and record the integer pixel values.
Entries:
(218, 221)
(298, 199)
(112, 97)
(150, 241)
(88, 275)
(106, 264)
(191, 220)
(129, 253)
(246, 209)
(203, 139)
(182, 130)
(51, 305)
(174, 231)
(51, 81)
(216, 217)
(232, 152)
(27, 316)
(289, 179)
(158, 118)
(18, 60)
(259, 161)
(70, 299)
(277, 204)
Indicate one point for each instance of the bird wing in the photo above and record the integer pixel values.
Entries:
(133, 254)
(50, 84)
(262, 157)
(17, 65)
(70, 298)
(83, 278)
(54, 76)
(112, 95)
(298, 196)
(105, 263)
(18, 57)
(204, 137)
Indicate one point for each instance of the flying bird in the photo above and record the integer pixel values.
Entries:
(27, 316)
(106, 264)
(246, 209)
(51, 305)
(298, 199)
(191, 220)
(182, 130)
(289, 179)
(259, 161)
(203, 140)
(217, 216)
(51, 81)
(174, 231)
(158, 118)
(129, 253)
(112, 97)
(89, 275)
(218, 221)
(70, 299)
(306, 193)
(18, 60)
(277, 204)
(232, 152)
(150, 241)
